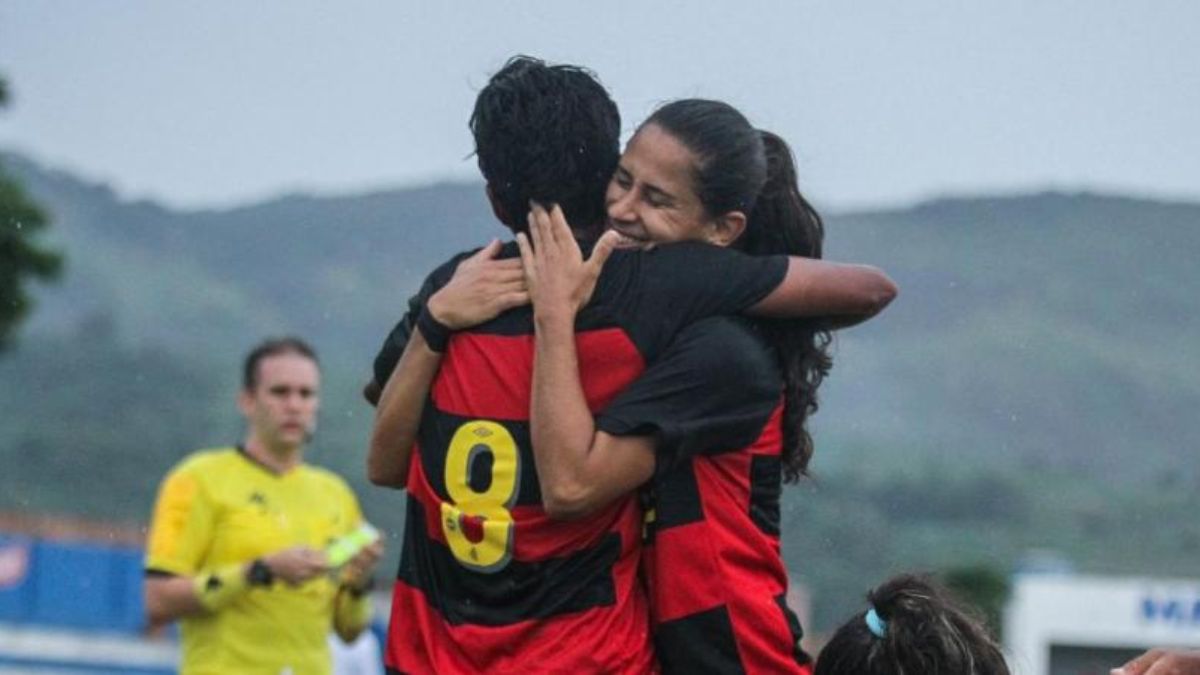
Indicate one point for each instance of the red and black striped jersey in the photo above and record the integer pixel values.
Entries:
(487, 582)
(715, 575)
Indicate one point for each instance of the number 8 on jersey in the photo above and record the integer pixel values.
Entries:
(477, 522)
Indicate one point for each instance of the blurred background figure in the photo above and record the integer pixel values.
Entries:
(912, 626)
(237, 537)
(1163, 662)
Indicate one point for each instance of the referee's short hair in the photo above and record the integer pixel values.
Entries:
(272, 347)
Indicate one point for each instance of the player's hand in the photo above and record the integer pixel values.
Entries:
(481, 288)
(297, 564)
(1162, 662)
(357, 571)
(560, 281)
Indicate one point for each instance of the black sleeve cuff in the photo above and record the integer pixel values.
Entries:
(436, 334)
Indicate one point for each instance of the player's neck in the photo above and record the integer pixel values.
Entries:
(279, 459)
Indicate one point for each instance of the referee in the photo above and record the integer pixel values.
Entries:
(236, 544)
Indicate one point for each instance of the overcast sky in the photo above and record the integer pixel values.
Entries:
(219, 103)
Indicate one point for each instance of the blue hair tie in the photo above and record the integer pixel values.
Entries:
(876, 625)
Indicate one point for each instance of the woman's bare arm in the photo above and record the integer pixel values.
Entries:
(846, 294)
(578, 469)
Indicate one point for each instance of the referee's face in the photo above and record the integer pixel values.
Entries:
(282, 407)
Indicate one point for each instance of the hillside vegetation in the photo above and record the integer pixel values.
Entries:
(1033, 387)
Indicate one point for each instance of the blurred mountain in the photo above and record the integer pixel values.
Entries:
(1043, 346)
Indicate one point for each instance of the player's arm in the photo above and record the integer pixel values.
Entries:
(481, 288)
(574, 477)
(713, 390)
(673, 409)
(687, 281)
(578, 469)
(398, 416)
(843, 294)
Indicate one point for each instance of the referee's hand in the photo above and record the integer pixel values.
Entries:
(297, 564)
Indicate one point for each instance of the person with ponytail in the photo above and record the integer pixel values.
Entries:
(717, 424)
(492, 577)
(912, 627)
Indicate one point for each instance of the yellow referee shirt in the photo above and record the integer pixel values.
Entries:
(220, 507)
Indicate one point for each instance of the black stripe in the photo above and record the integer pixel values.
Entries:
(434, 436)
(519, 321)
(766, 485)
(698, 643)
(519, 592)
(677, 498)
(794, 627)
(159, 574)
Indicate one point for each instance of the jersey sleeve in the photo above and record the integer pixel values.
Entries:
(713, 390)
(182, 525)
(655, 293)
(393, 345)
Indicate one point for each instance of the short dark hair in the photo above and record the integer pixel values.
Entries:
(272, 347)
(547, 133)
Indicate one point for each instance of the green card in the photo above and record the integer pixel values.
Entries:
(346, 547)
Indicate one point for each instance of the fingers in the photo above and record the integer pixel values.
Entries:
(564, 237)
(559, 227)
(506, 274)
(603, 249)
(1141, 664)
(488, 252)
(526, 258)
(537, 236)
(513, 299)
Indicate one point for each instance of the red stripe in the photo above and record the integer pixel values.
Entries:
(489, 375)
(726, 560)
(603, 640)
(684, 577)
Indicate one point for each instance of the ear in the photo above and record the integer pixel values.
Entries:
(726, 228)
(245, 401)
(498, 208)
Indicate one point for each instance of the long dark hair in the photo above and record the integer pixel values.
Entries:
(740, 168)
(925, 632)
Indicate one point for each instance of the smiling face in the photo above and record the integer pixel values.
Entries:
(281, 408)
(652, 196)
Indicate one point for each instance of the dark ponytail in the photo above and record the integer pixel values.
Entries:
(924, 631)
(783, 221)
(740, 168)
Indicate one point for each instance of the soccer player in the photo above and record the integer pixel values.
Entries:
(236, 544)
(488, 582)
(714, 425)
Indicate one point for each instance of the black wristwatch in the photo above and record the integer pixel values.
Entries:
(259, 574)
